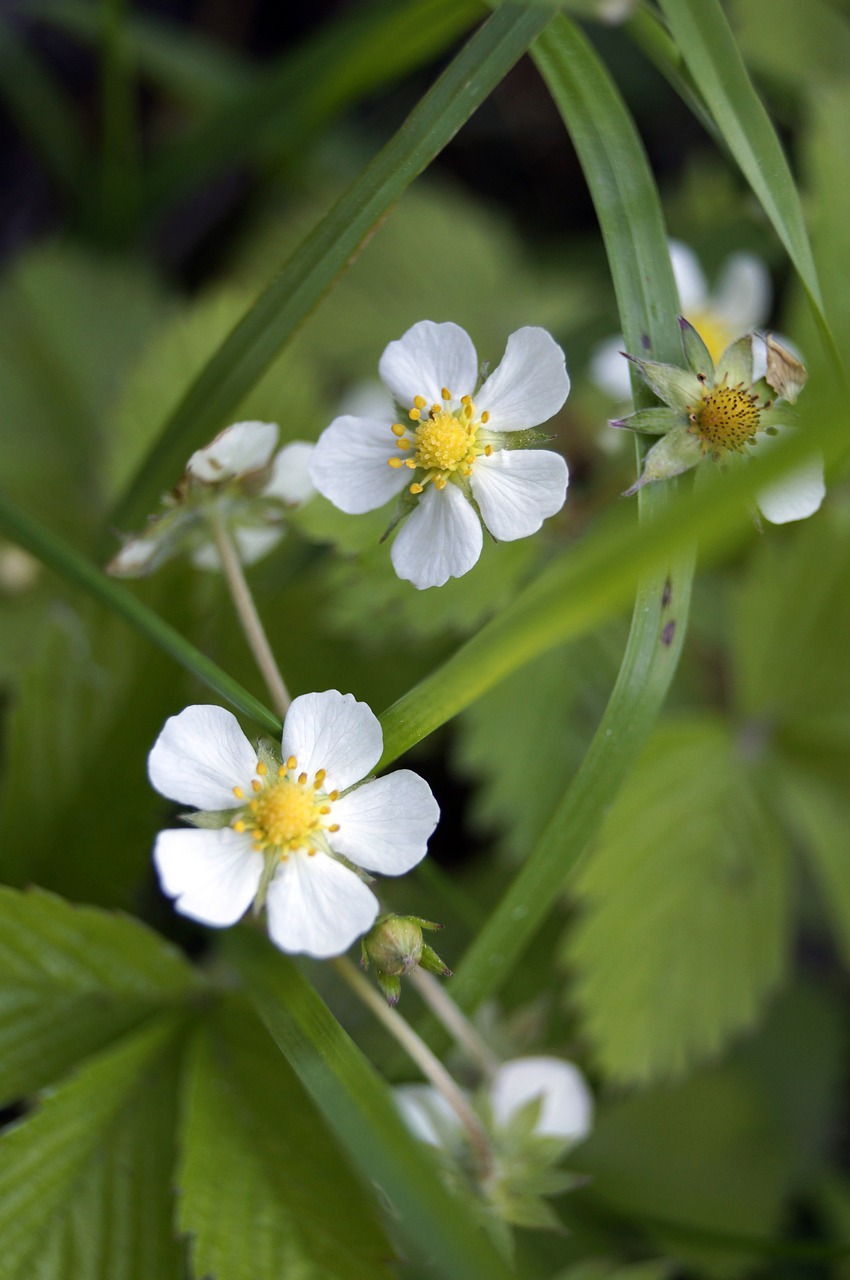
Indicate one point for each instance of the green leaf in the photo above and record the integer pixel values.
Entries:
(74, 979)
(682, 931)
(708, 48)
(359, 1109)
(84, 1179)
(289, 1204)
(607, 1269)
(819, 815)
(294, 292)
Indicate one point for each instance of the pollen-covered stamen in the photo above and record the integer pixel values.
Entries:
(726, 418)
(287, 811)
(444, 443)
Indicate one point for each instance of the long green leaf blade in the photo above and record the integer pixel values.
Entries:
(359, 1109)
(260, 335)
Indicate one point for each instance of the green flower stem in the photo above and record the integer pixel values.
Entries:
(262, 333)
(427, 1062)
(444, 1008)
(246, 611)
(79, 572)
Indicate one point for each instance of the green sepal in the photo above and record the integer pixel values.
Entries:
(677, 387)
(735, 366)
(650, 422)
(268, 753)
(405, 503)
(270, 865)
(390, 984)
(697, 355)
(674, 453)
(431, 961)
(528, 437)
(209, 819)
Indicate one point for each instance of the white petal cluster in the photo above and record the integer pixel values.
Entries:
(249, 484)
(451, 449)
(566, 1103)
(739, 303)
(301, 829)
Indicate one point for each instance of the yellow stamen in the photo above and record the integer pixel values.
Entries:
(445, 393)
(395, 463)
(726, 418)
(262, 769)
(292, 763)
(485, 417)
(398, 428)
(416, 488)
(239, 793)
(415, 415)
(420, 402)
(239, 825)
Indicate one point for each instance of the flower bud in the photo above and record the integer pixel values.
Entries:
(394, 945)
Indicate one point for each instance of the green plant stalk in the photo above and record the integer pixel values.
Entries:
(309, 273)
(79, 572)
(359, 1109)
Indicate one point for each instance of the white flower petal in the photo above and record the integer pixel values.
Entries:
(688, 274)
(609, 368)
(213, 875)
(350, 466)
(567, 1103)
(384, 826)
(420, 1105)
(317, 907)
(516, 490)
(200, 756)
(136, 558)
(796, 496)
(441, 539)
(529, 386)
(244, 447)
(335, 732)
(742, 297)
(290, 478)
(428, 358)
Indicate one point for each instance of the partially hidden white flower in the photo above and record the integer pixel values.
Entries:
(565, 1110)
(293, 832)
(238, 478)
(739, 303)
(456, 446)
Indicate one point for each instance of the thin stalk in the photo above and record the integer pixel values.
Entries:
(246, 611)
(427, 1062)
(454, 1020)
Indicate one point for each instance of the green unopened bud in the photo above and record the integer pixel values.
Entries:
(394, 945)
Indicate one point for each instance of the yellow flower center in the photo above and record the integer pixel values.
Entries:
(445, 441)
(726, 418)
(287, 812)
(715, 333)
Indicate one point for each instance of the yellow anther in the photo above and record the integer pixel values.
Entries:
(321, 774)
(466, 400)
(239, 826)
(468, 410)
(281, 770)
(488, 450)
(302, 778)
(435, 409)
(410, 462)
(292, 763)
(398, 428)
(415, 415)
(311, 853)
(326, 808)
(334, 827)
(262, 769)
(395, 462)
(485, 417)
(257, 834)
(446, 394)
(333, 795)
(440, 482)
(416, 488)
(420, 402)
(239, 793)
(256, 786)
(403, 443)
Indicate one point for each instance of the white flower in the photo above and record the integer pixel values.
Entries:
(249, 485)
(739, 303)
(566, 1103)
(457, 447)
(293, 833)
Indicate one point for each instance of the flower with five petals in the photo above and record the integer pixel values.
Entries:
(289, 829)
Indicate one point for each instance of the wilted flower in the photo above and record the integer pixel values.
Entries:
(739, 303)
(456, 450)
(237, 479)
(291, 829)
(719, 412)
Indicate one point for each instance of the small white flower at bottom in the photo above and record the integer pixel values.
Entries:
(293, 833)
(452, 449)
